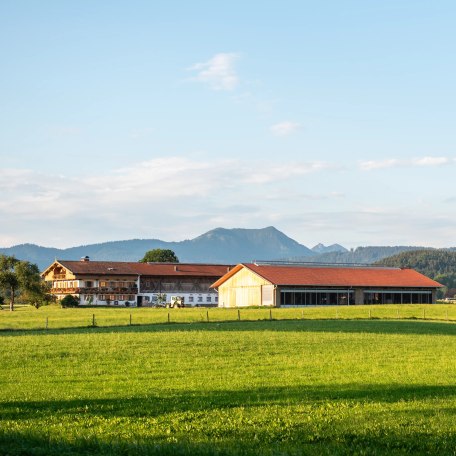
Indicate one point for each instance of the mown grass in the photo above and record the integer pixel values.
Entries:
(251, 387)
(27, 317)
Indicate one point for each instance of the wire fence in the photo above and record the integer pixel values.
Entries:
(53, 317)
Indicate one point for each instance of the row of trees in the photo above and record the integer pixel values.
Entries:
(21, 279)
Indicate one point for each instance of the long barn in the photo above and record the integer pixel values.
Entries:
(132, 283)
(286, 285)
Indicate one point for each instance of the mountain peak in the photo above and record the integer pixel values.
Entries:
(321, 248)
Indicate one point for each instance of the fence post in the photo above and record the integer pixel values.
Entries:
(302, 314)
(239, 315)
(397, 313)
(93, 319)
(270, 314)
(168, 318)
(130, 319)
(207, 316)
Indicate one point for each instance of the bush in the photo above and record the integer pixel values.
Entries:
(69, 301)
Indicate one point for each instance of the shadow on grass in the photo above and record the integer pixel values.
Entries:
(203, 401)
(412, 327)
(244, 442)
(309, 437)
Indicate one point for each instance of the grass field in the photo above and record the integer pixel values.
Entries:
(27, 317)
(317, 385)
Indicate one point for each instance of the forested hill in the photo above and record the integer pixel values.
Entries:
(366, 255)
(438, 264)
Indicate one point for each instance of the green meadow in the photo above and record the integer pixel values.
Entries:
(365, 380)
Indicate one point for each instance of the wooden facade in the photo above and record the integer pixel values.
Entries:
(245, 289)
(134, 284)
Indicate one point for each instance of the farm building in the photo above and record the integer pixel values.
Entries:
(134, 284)
(286, 285)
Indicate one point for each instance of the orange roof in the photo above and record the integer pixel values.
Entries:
(146, 269)
(334, 276)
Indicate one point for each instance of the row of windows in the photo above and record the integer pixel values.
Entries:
(303, 298)
(116, 297)
(91, 284)
(398, 298)
(200, 299)
(66, 284)
(117, 284)
(190, 299)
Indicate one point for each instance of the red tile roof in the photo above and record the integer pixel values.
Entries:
(146, 269)
(335, 276)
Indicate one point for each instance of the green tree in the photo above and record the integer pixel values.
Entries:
(160, 256)
(69, 301)
(20, 278)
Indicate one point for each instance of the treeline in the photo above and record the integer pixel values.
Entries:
(439, 265)
(365, 255)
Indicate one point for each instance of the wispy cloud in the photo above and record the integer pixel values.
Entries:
(218, 72)
(147, 183)
(396, 163)
(269, 172)
(285, 128)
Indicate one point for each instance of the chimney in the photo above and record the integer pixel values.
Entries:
(175, 268)
(86, 258)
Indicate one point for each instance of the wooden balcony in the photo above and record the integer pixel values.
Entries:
(95, 290)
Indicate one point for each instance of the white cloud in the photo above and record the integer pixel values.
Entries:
(218, 72)
(135, 198)
(432, 161)
(175, 198)
(269, 172)
(285, 128)
(396, 163)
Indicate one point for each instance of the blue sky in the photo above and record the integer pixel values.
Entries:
(332, 121)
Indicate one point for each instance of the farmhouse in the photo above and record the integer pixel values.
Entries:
(286, 285)
(134, 284)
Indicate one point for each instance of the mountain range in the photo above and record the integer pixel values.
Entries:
(221, 245)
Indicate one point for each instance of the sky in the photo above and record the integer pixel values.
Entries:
(333, 121)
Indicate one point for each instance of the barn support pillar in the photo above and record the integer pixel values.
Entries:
(359, 296)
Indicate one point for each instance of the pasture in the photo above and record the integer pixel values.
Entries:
(318, 385)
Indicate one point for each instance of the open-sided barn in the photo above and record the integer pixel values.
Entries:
(282, 285)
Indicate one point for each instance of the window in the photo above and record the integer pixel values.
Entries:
(208, 299)
(190, 299)
(200, 299)
(89, 284)
(216, 299)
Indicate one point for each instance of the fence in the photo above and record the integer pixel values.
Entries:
(53, 317)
